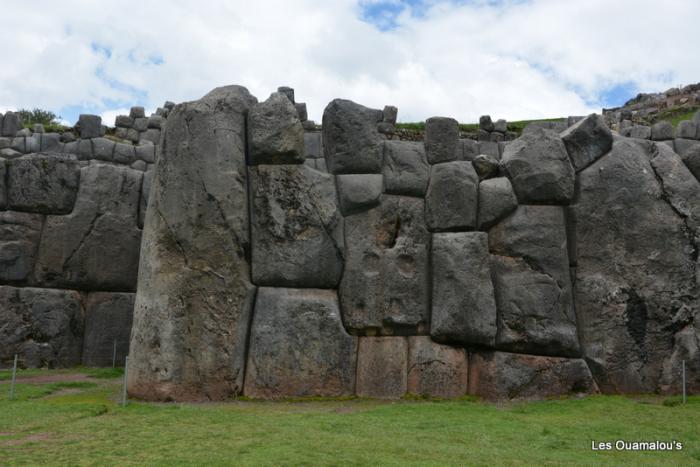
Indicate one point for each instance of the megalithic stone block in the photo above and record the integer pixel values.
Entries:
(382, 367)
(351, 142)
(108, 319)
(451, 199)
(441, 139)
(275, 132)
(463, 305)
(436, 370)
(297, 236)
(195, 297)
(298, 346)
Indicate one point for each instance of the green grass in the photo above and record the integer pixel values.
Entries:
(84, 425)
(676, 115)
(6, 375)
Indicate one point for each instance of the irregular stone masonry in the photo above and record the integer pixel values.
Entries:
(283, 260)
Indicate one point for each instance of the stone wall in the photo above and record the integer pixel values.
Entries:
(283, 263)
(71, 215)
(283, 259)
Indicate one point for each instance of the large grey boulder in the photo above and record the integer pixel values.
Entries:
(587, 140)
(145, 193)
(384, 288)
(441, 139)
(313, 144)
(19, 238)
(496, 200)
(463, 305)
(275, 134)
(504, 376)
(691, 158)
(686, 349)
(3, 184)
(532, 283)
(43, 326)
(296, 227)
(436, 370)
(382, 367)
(358, 192)
(486, 166)
(89, 126)
(298, 346)
(539, 168)
(96, 246)
(451, 199)
(44, 183)
(195, 296)
(636, 266)
(687, 129)
(351, 142)
(661, 131)
(680, 186)
(107, 321)
(406, 170)
(11, 124)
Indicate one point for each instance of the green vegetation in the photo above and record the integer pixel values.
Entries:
(6, 375)
(50, 120)
(676, 115)
(78, 424)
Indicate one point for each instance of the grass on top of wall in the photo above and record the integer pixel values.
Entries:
(82, 423)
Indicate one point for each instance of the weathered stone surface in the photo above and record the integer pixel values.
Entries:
(500, 126)
(691, 158)
(382, 367)
(137, 112)
(45, 183)
(146, 153)
(406, 170)
(107, 319)
(43, 326)
(467, 150)
(436, 370)
(464, 309)
(89, 126)
(103, 149)
(3, 185)
(686, 347)
(501, 375)
(151, 135)
(636, 267)
(661, 131)
(124, 153)
(532, 283)
(51, 142)
(313, 144)
(687, 129)
(156, 121)
(195, 297)
(140, 124)
(385, 283)
(296, 227)
(351, 142)
(358, 192)
(288, 92)
(275, 132)
(496, 200)
(587, 140)
(678, 183)
(96, 246)
(451, 199)
(11, 124)
(145, 192)
(298, 346)
(486, 166)
(485, 123)
(640, 132)
(124, 121)
(539, 168)
(683, 146)
(441, 139)
(19, 238)
(301, 111)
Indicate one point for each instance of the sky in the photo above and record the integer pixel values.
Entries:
(513, 59)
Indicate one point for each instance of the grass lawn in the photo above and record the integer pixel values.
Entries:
(80, 423)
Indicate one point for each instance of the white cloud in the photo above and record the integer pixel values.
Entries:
(516, 60)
